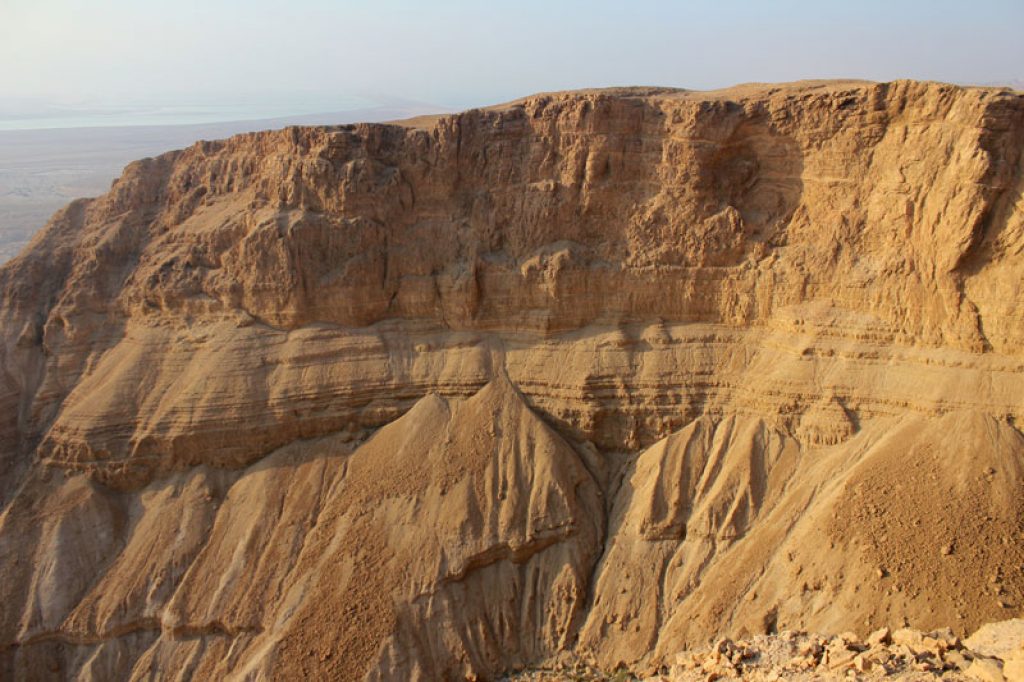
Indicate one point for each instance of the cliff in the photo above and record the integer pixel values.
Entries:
(600, 374)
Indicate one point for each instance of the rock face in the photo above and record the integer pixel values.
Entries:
(603, 374)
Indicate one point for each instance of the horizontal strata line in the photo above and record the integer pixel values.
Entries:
(180, 632)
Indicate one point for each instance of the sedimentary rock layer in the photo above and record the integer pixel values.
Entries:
(606, 373)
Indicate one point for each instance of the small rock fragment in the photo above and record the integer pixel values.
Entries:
(986, 670)
(947, 637)
(956, 661)
(837, 657)
(881, 636)
(911, 639)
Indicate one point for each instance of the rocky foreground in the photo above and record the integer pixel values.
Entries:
(993, 654)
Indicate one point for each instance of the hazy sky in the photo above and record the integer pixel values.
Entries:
(460, 53)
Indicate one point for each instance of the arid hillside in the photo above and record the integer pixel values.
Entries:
(593, 376)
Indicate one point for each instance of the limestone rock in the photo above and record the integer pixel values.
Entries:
(986, 670)
(1013, 665)
(999, 639)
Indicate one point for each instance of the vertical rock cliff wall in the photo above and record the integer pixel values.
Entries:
(598, 374)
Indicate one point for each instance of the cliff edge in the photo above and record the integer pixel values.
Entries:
(602, 373)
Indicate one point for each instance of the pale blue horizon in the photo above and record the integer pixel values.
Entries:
(457, 54)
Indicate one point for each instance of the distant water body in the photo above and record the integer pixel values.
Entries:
(49, 157)
(38, 116)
